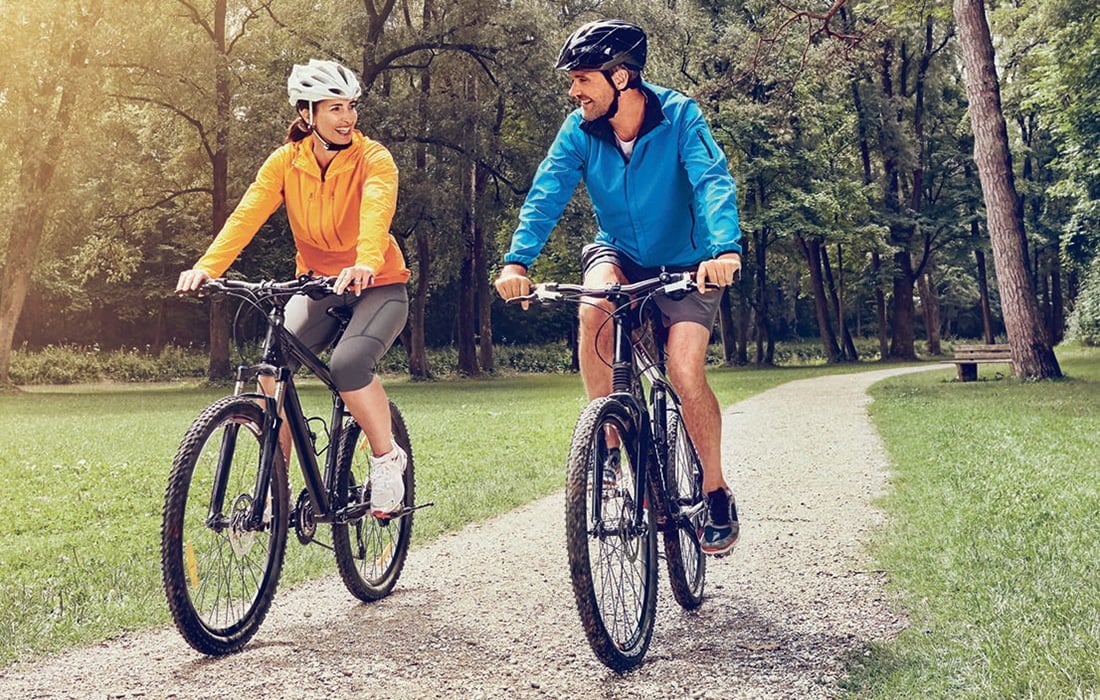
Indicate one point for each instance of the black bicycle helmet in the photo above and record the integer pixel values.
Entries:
(602, 45)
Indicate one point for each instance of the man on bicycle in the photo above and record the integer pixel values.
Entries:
(664, 200)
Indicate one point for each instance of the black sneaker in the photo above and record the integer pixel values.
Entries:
(722, 530)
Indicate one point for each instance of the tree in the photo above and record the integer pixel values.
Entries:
(48, 97)
(1032, 355)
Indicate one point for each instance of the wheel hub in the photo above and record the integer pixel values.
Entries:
(241, 538)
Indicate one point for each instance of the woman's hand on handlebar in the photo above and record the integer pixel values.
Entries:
(191, 280)
(357, 278)
(513, 282)
(720, 271)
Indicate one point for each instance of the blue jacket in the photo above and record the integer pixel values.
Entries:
(672, 204)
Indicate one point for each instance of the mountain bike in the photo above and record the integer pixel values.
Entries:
(616, 504)
(227, 508)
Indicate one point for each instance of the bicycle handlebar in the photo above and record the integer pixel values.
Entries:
(667, 283)
(263, 289)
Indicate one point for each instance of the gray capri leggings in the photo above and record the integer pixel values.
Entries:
(377, 318)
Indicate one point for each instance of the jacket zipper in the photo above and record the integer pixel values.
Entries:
(710, 153)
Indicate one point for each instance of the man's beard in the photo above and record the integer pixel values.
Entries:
(611, 111)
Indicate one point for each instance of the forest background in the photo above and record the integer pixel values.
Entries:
(129, 130)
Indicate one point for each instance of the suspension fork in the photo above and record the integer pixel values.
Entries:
(270, 450)
(215, 517)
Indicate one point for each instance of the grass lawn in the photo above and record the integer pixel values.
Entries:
(993, 547)
(85, 469)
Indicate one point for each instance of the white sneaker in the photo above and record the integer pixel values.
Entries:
(387, 481)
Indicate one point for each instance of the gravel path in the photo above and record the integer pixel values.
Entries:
(488, 612)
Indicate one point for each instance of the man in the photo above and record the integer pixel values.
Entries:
(664, 199)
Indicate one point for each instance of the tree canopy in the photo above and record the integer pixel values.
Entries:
(131, 130)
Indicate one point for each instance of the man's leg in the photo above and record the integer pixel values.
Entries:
(594, 343)
(687, 349)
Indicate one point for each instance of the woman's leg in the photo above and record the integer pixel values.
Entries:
(379, 316)
(377, 320)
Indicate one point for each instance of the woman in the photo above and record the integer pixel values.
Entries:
(340, 191)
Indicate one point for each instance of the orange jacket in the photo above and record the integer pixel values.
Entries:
(339, 220)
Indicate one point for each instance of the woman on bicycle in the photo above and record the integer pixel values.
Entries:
(340, 192)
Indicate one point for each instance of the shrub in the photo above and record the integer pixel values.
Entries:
(1084, 325)
(71, 364)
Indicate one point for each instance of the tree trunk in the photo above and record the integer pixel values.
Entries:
(464, 322)
(482, 295)
(880, 307)
(1032, 355)
(848, 352)
(811, 250)
(1057, 305)
(902, 336)
(743, 332)
(930, 308)
(761, 260)
(728, 329)
(218, 367)
(413, 337)
(38, 162)
(983, 288)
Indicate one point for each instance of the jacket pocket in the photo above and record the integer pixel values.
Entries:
(703, 140)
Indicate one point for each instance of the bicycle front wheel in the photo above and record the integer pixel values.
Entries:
(370, 551)
(612, 552)
(683, 551)
(219, 569)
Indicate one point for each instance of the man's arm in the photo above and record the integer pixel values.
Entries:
(708, 172)
(552, 187)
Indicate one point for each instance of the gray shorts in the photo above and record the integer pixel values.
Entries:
(696, 307)
(377, 317)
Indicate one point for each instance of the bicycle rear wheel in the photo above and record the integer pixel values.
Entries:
(370, 551)
(612, 559)
(683, 552)
(220, 572)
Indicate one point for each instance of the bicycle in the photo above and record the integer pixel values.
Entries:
(611, 529)
(227, 510)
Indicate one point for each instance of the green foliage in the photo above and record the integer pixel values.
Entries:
(991, 546)
(1085, 321)
(83, 365)
(72, 364)
(473, 82)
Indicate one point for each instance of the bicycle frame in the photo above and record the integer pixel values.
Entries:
(279, 345)
(631, 362)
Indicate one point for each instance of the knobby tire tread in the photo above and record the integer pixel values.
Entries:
(576, 529)
(200, 636)
(346, 562)
(688, 593)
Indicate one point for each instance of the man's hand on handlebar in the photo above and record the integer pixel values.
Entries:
(191, 281)
(513, 282)
(720, 271)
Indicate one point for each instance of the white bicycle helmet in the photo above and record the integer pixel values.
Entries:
(321, 80)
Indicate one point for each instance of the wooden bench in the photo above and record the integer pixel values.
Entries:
(968, 357)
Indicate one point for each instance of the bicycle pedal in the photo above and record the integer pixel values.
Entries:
(386, 517)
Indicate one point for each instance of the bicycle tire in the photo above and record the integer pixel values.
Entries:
(615, 576)
(220, 580)
(370, 552)
(687, 564)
